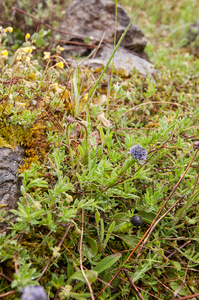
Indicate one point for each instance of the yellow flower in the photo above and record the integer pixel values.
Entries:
(10, 29)
(27, 58)
(59, 48)
(19, 57)
(60, 65)
(69, 198)
(55, 87)
(32, 76)
(4, 53)
(27, 36)
(56, 252)
(37, 205)
(27, 49)
(46, 55)
(85, 97)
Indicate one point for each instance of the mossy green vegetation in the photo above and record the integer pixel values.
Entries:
(81, 186)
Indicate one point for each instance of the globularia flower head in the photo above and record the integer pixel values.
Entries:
(34, 293)
(138, 152)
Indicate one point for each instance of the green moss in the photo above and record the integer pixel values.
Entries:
(11, 135)
(3, 144)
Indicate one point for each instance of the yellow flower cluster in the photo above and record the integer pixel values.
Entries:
(3, 33)
(46, 55)
(24, 53)
(4, 53)
(9, 29)
(59, 49)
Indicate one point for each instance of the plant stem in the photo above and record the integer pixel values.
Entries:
(117, 46)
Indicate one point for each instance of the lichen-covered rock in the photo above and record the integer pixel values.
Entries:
(91, 18)
(96, 19)
(10, 183)
(123, 60)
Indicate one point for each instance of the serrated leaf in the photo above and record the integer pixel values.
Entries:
(143, 268)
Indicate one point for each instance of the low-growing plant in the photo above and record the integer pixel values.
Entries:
(84, 178)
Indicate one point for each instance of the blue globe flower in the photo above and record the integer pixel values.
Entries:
(33, 293)
(138, 152)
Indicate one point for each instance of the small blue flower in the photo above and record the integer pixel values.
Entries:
(34, 293)
(138, 152)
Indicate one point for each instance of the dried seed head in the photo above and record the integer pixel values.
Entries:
(196, 145)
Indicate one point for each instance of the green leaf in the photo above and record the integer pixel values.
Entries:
(81, 151)
(76, 89)
(25, 277)
(188, 204)
(91, 275)
(97, 219)
(92, 250)
(87, 39)
(175, 286)
(143, 268)
(39, 42)
(110, 230)
(131, 241)
(107, 262)
(80, 296)
(37, 182)
(101, 132)
(175, 264)
(147, 217)
(102, 230)
(121, 219)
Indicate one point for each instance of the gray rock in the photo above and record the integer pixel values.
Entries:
(95, 18)
(123, 59)
(10, 183)
(91, 18)
(193, 38)
(193, 32)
